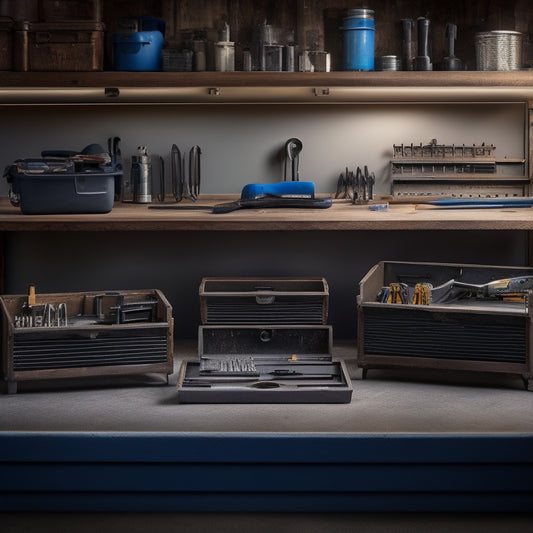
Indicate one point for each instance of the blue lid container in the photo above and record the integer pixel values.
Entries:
(140, 51)
(358, 39)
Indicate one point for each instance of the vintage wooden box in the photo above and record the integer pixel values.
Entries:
(467, 334)
(89, 343)
(293, 364)
(264, 300)
(59, 46)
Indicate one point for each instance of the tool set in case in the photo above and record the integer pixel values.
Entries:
(446, 316)
(83, 334)
(65, 181)
(264, 364)
(264, 340)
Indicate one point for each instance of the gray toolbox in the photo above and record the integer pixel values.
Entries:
(458, 332)
(64, 181)
(264, 364)
(262, 300)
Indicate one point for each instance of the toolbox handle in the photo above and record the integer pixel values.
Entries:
(264, 299)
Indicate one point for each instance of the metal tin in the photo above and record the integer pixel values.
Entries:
(388, 63)
(498, 50)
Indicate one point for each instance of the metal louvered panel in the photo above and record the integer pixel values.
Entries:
(40, 354)
(282, 310)
(463, 336)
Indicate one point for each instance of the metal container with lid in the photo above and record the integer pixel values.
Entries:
(498, 50)
(358, 39)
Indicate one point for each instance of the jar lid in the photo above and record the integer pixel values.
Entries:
(360, 13)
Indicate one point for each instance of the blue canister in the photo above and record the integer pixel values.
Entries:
(358, 39)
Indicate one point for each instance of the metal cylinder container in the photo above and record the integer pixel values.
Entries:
(141, 177)
(498, 50)
(358, 39)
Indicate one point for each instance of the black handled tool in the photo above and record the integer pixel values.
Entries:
(422, 60)
(451, 62)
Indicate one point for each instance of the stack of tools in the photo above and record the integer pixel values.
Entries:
(264, 340)
(424, 293)
(185, 184)
(45, 315)
(358, 186)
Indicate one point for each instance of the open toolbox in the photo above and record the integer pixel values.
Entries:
(227, 300)
(66, 335)
(264, 364)
(472, 321)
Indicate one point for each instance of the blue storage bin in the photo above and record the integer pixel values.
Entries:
(139, 51)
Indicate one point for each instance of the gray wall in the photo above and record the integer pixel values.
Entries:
(241, 145)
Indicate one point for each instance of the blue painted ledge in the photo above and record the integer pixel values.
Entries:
(265, 472)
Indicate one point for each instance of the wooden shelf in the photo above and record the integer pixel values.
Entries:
(263, 87)
(341, 216)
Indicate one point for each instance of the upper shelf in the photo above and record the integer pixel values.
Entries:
(263, 87)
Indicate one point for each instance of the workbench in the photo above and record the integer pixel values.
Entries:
(424, 442)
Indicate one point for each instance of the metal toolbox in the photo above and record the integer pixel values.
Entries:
(59, 46)
(264, 300)
(65, 335)
(472, 334)
(264, 364)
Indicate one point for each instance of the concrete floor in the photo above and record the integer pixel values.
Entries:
(387, 401)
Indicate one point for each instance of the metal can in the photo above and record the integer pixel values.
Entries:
(358, 39)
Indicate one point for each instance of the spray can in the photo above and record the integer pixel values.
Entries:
(358, 39)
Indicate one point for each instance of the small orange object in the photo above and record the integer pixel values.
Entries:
(31, 295)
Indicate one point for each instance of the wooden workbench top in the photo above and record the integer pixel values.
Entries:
(341, 216)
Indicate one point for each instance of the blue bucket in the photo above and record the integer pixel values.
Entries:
(358, 40)
(139, 51)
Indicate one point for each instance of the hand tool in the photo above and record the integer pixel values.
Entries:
(293, 147)
(194, 172)
(422, 60)
(477, 203)
(177, 173)
(451, 62)
(500, 288)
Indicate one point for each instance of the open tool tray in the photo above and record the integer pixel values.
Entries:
(264, 364)
(484, 335)
(264, 300)
(98, 338)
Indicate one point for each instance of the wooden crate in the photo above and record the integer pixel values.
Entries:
(81, 349)
(463, 336)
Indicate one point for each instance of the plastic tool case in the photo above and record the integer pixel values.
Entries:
(264, 300)
(51, 186)
(136, 339)
(264, 364)
(481, 335)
